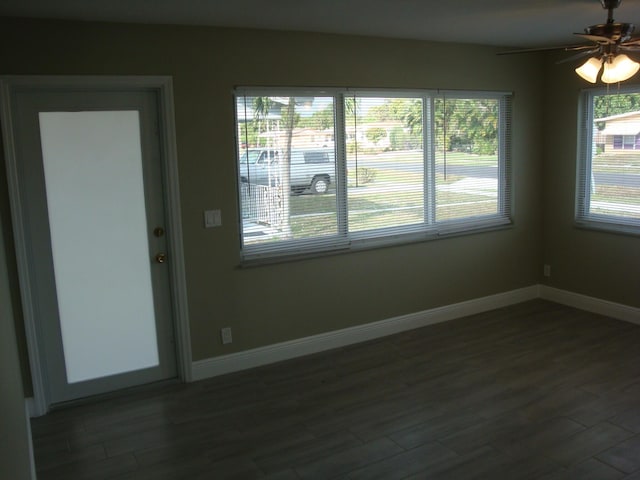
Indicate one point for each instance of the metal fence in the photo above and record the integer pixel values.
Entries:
(262, 204)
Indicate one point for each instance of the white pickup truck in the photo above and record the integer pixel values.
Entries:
(310, 169)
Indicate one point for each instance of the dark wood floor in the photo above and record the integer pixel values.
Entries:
(532, 391)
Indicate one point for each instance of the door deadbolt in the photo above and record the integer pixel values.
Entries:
(158, 232)
(161, 257)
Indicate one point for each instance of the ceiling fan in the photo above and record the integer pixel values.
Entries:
(609, 42)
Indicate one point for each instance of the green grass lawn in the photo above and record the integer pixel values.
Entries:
(395, 198)
(468, 159)
(617, 194)
(615, 162)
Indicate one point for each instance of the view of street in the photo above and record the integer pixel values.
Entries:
(471, 180)
(391, 181)
(615, 188)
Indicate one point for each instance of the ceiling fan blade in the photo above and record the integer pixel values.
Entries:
(630, 48)
(545, 49)
(633, 41)
(577, 56)
(595, 38)
(575, 48)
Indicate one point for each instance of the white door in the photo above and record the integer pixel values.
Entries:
(91, 187)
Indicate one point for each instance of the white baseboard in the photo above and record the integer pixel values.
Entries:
(29, 405)
(591, 304)
(234, 362)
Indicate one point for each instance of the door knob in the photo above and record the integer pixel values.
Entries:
(161, 257)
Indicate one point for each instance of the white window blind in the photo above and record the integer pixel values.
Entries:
(385, 164)
(608, 190)
(321, 171)
(469, 159)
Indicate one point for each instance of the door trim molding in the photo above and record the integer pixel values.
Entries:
(163, 87)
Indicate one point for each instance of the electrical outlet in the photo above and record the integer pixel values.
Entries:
(547, 270)
(225, 335)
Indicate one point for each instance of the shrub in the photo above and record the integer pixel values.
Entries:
(366, 175)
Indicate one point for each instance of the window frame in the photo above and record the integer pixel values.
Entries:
(584, 218)
(344, 240)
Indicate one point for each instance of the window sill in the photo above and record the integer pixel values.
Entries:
(608, 227)
(360, 245)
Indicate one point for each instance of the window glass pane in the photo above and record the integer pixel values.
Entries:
(287, 168)
(385, 162)
(629, 142)
(614, 178)
(466, 146)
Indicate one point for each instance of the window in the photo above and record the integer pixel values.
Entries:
(608, 191)
(338, 170)
(626, 142)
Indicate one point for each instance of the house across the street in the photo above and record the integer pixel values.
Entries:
(619, 132)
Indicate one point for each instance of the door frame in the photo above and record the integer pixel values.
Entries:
(162, 86)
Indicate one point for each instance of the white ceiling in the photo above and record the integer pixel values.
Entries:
(516, 23)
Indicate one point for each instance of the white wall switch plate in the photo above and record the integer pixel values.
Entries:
(212, 218)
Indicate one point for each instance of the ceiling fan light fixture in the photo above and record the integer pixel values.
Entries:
(589, 69)
(607, 41)
(621, 68)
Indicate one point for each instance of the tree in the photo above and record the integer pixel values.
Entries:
(412, 117)
(285, 167)
(608, 105)
(375, 134)
(477, 124)
(351, 106)
(320, 120)
(262, 107)
(405, 110)
(468, 124)
(290, 119)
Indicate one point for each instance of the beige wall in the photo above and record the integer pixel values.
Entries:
(12, 277)
(281, 302)
(588, 262)
(15, 451)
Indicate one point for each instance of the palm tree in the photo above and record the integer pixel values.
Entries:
(286, 166)
(262, 107)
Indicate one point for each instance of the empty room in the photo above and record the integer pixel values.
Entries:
(293, 240)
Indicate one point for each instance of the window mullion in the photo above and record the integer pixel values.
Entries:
(584, 165)
(429, 154)
(503, 165)
(587, 177)
(341, 164)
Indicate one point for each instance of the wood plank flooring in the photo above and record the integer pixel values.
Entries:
(532, 391)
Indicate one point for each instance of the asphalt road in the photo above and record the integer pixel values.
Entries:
(627, 180)
(416, 167)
